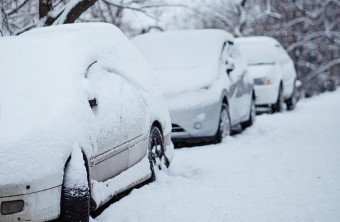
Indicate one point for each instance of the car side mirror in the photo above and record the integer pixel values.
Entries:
(230, 65)
(229, 70)
(298, 83)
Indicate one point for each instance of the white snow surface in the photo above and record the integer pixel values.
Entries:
(185, 60)
(284, 168)
(44, 109)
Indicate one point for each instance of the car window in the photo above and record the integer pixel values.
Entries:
(228, 52)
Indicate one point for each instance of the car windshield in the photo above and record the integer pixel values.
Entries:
(182, 49)
(165, 55)
(257, 53)
(183, 60)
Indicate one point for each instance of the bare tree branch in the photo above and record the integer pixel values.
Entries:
(309, 37)
(77, 10)
(327, 66)
(17, 8)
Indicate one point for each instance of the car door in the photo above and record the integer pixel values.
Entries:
(244, 89)
(230, 65)
(135, 119)
(111, 151)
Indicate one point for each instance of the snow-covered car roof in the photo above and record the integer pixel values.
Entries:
(44, 94)
(258, 49)
(267, 39)
(183, 60)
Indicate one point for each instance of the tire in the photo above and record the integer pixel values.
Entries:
(252, 115)
(224, 126)
(156, 153)
(75, 202)
(291, 102)
(75, 205)
(278, 106)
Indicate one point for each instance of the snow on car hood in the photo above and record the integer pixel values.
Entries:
(260, 71)
(195, 99)
(184, 60)
(44, 109)
(177, 81)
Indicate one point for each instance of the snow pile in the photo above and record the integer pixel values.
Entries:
(184, 60)
(76, 174)
(284, 168)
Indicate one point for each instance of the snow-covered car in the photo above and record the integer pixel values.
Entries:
(273, 72)
(204, 80)
(82, 119)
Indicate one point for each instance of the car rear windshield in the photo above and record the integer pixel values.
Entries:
(258, 53)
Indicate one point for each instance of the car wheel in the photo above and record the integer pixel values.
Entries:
(224, 126)
(75, 197)
(157, 158)
(291, 102)
(252, 115)
(278, 106)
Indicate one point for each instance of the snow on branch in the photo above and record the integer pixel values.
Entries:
(141, 8)
(309, 37)
(328, 66)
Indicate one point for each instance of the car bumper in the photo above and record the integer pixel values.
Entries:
(195, 122)
(38, 206)
(266, 94)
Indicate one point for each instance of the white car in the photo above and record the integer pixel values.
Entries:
(204, 80)
(273, 72)
(82, 119)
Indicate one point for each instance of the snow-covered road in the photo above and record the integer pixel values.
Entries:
(284, 168)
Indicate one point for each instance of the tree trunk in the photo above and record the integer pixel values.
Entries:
(45, 6)
(77, 10)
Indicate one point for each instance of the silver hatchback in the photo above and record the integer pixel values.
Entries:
(204, 80)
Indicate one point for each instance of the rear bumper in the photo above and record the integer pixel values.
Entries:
(266, 94)
(38, 206)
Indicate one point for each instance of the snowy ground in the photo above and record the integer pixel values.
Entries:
(284, 168)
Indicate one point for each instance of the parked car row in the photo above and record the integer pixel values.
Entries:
(86, 115)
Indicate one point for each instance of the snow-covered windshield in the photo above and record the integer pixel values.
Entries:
(178, 50)
(258, 53)
(183, 60)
